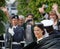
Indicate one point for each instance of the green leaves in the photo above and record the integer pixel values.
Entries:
(3, 18)
(31, 6)
(2, 28)
(2, 3)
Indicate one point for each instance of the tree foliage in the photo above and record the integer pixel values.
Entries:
(31, 6)
(3, 17)
(3, 20)
(2, 3)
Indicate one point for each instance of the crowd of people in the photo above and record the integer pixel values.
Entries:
(25, 33)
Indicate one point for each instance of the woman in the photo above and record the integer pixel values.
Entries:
(52, 41)
(29, 35)
(39, 31)
(53, 16)
(39, 34)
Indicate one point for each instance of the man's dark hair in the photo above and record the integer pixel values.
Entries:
(30, 14)
(49, 28)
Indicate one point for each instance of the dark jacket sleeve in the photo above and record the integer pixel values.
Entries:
(31, 45)
(52, 42)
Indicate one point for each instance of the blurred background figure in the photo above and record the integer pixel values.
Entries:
(42, 11)
(55, 8)
(16, 32)
(14, 21)
(29, 35)
(48, 25)
(21, 20)
(29, 17)
(54, 17)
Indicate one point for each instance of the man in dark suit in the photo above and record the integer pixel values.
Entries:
(18, 37)
(17, 33)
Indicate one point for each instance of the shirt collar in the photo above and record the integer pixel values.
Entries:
(39, 39)
(14, 26)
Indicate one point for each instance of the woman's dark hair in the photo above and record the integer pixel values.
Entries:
(40, 25)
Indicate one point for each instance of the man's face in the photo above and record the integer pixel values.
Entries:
(14, 21)
(21, 21)
(30, 17)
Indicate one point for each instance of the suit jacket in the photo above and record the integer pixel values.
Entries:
(18, 34)
(31, 45)
(32, 33)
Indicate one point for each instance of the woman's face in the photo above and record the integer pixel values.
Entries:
(53, 17)
(38, 32)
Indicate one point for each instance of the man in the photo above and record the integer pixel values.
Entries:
(16, 32)
(21, 20)
(29, 35)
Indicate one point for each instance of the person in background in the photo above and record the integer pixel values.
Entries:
(29, 35)
(29, 17)
(14, 21)
(13, 24)
(16, 32)
(54, 17)
(21, 20)
(55, 8)
(42, 11)
(21, 24)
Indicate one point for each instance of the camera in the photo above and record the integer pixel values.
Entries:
(29, 20)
